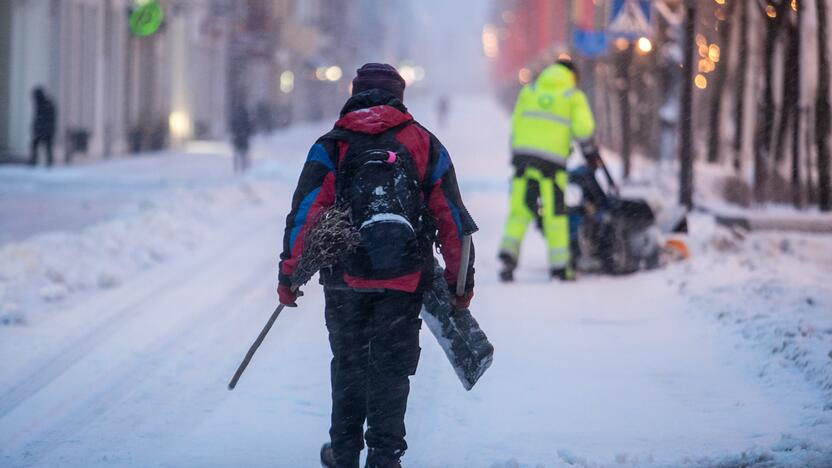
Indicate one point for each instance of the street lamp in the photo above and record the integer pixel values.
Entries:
(644, 45)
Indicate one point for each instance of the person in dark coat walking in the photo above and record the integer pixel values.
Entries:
(373, 320)
(43, 126)
(241, 129)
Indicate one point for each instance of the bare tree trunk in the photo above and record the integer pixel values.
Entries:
(686, 117)
(714, 141)
(822, 112)
(765, 109)
(787, 102)
(739, 91)
(794, 51)
(808, 160)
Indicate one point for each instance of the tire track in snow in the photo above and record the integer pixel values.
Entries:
(84, 411)
(56, 365)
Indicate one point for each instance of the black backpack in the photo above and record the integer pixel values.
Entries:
(378, 180)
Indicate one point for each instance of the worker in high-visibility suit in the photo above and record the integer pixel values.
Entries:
(549, 115)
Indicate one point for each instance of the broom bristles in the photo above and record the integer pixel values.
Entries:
(331, 236)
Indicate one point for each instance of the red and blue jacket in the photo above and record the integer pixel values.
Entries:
(373, 112)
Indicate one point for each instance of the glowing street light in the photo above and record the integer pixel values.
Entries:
(524, 75)
(644, 45)
(333, 73)
(490, 45)
(180, 124)
(287, 81)
(713, 52)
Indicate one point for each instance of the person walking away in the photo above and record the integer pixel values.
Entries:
(399, 183)
(43, 127)
(241, 128)
(549, 115)
(443, 108)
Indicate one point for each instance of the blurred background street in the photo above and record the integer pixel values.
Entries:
(138, 266)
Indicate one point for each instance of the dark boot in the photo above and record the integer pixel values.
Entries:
(328, 456)
(378, 459)
(328, 459)
(509, 265)
(563, 274)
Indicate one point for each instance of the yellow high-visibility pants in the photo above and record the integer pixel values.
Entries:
(532, 191)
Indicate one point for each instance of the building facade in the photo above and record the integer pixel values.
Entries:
(285, 60)
(127, 93)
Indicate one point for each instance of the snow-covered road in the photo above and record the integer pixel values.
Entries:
(666, 368)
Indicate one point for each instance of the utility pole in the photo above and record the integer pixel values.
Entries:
(626, 128)
(686, 120)
(823, 119)
(794, 45)
(739, 90)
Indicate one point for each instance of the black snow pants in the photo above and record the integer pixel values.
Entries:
(374, 338)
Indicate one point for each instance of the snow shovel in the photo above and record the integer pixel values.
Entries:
(465, 344)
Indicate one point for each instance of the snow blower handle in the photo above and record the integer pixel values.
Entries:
(256, 344)
(610, 180)
(462, 277)
(595, 161)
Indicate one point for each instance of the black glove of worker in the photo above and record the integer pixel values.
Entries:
(591, 154)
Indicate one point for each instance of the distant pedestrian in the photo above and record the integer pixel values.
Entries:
(43, 126)
(241, 129)
(443, 107)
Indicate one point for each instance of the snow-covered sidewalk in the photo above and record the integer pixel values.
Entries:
(721, 360)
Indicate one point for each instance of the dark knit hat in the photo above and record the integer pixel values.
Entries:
(569, 64)
(380, 76)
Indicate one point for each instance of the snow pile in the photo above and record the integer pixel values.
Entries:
(789, 452)
(773, 290)
(46, 270)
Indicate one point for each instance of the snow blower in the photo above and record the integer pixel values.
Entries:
(616, 235)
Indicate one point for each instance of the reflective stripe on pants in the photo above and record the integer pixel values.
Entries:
(550, 204)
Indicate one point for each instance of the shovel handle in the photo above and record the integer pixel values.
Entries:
(462, 277)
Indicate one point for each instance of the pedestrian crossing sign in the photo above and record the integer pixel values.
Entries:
(630, 18)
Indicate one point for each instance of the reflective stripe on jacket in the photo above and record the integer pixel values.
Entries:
(549, 114)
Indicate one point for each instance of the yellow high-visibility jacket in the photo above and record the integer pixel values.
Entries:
(549, 114)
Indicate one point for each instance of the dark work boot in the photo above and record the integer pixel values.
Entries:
(563, 274)
(328, 456)
(509, 265)
(328, 459)
(379, 459)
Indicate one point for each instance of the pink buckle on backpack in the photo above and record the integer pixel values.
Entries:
(391, 157)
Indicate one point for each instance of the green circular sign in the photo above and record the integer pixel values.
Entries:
(146, 18)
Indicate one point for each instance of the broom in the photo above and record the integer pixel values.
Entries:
(331, 236)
